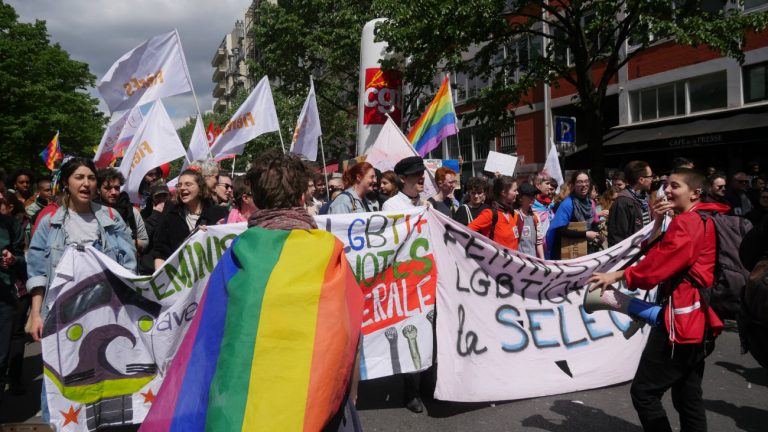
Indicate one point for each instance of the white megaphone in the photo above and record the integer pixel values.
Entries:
(640, 311)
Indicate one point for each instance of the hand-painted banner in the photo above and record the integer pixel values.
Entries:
(513, 326)
(111, 335)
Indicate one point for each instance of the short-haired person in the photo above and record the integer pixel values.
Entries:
(243, 205)
(716, 187)
(43, 195)
(475, 195)
(576, 207)
(682, 260)
(108, 184)
(358, 180)
(309, 198)
(223, 190)
(411, 173)
(194, 207)
(736, 195)
(530, 232)
(335, 185)
(20, 184)
(681, 162)
(631, 210)
(278, 184)
(444, 201)
(544, 204)
(150, 177)
(619, 180)
(499, 221)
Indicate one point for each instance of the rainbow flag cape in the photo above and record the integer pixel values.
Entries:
(52, 153)
(437, 122)
(273, 342)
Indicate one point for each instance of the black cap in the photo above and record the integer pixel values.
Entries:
(527, 189)
(410, 166)
(158, 188)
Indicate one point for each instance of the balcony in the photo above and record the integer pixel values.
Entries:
(220, 56)
(219, 72)
(219, 89)
(220, 105)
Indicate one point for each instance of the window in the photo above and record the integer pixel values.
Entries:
(708, 92)
(696, 94)
(465, 143)
(508, 143)
(755, 82)
(563, 52)
(521, 52)
(453, 147)
(460, 84)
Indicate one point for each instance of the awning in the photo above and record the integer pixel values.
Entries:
(685, 127)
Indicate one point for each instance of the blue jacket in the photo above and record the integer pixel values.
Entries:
(47, 245)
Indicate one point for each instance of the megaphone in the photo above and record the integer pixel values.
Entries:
(641, 312)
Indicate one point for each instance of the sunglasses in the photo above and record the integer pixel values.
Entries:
(226, 186)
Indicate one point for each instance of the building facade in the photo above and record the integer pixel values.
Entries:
(667, 101)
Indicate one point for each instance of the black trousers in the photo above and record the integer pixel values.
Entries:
(661, 368)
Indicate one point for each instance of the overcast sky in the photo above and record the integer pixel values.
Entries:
(98, 32)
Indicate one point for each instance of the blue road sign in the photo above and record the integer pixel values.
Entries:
(565, 130)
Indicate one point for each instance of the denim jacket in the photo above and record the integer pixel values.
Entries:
(48, 245)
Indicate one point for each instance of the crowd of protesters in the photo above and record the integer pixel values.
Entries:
(39, 218)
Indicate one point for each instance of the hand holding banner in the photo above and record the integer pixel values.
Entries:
(255, 116)
(155, 143)
(153, 70)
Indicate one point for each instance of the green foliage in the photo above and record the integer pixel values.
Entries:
(435, 36)
(296, 38)
(43, 91)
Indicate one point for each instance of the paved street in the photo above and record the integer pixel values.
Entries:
(735, 393)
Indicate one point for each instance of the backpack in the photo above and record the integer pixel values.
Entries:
(724, 296)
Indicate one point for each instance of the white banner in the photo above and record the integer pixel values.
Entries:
(117, 137)
(512, 326)
(552, 166)
(255, 116)
(153, 70)
(155, 143)
(307, 132)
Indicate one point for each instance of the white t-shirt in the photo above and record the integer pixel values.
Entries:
(401, 201)
(81, 228)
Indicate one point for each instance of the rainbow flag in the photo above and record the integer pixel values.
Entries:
(437, 122)
(52, 153)
(273, 342)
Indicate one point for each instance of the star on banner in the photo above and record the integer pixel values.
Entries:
(149, 397)
(71, 415)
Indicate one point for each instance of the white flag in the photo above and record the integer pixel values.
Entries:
(390, 147)
(117, 137)
(153, 70)
(198, 145)
(255, 116)
(307, 132)
(155, 143)
(552, 166)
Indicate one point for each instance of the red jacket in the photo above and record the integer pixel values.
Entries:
(505, 233)
(685, 249)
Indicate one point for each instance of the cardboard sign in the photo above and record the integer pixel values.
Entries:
(574, 247)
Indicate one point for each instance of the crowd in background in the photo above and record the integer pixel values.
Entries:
(39, 217)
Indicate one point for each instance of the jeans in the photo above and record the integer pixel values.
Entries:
(661, 368)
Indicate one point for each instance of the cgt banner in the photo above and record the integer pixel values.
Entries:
(110, 335)
(512, 326)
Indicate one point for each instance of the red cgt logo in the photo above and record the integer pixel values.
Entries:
(382, 96)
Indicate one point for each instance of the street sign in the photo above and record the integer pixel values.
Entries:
(565, 131)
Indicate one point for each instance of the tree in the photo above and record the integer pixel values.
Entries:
(296, 38)
(593, 35)
(43, 91)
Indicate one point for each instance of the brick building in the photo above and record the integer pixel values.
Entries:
(668, 101)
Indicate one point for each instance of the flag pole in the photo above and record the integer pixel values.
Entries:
(192, 87)
(282, 144)
(234, 159)
(325, 172)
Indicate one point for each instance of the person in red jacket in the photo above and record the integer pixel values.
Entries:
(504, 231)
(674, 355)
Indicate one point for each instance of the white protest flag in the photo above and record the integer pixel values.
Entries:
(255, 116)
(307, 132)
(155, 143)
(198, 145)
(153, 70)
(552, 166)
(390, 147)
(117, 137)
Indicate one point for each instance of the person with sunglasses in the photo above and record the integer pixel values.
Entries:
(716, 184)
(737, 194)
(223, 190)
(630, 212)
